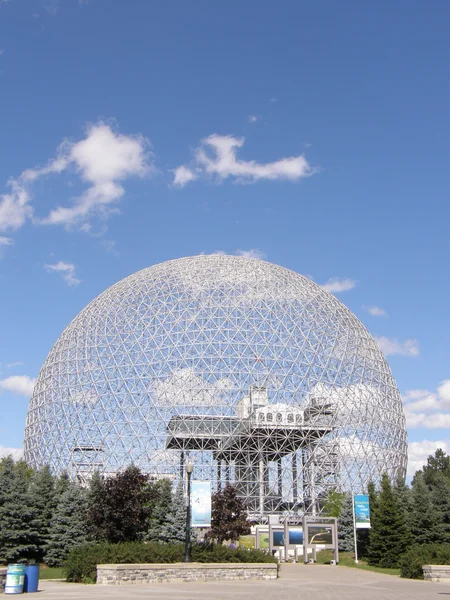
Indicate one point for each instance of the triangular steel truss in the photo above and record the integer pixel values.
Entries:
(257, 373)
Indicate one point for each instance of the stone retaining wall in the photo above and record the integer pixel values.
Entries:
(181, 572)
(436, 573)
(2, 580)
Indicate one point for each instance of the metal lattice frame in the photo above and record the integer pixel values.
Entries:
(258, 374)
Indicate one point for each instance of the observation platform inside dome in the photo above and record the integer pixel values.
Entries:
(277, 429)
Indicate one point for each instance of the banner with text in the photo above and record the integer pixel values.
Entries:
(201, 504)
(362, 511)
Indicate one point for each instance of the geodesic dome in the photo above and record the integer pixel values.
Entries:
(255, 373)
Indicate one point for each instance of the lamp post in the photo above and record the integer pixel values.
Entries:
(187, 542)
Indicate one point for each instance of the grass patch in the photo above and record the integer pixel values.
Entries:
(48, 572)
(51, 573)
(346, 559)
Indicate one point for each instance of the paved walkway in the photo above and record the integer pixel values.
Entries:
(297, 582)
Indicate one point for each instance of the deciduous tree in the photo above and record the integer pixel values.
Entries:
(229, 519)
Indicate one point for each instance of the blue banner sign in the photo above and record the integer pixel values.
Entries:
(201, 504)
(362, 511)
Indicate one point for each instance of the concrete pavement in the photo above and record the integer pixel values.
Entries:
(297, 582)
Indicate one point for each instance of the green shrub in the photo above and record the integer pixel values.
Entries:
(212, 553)
(81, 564)
(413, 560)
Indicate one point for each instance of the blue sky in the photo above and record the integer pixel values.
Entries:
(313, 134)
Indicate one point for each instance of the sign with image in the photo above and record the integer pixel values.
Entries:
(201, 504)
(295, 537)
(362, 511)
(320, 534)
(247, 541)
(263, 539)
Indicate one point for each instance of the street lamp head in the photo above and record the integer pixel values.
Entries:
(189, 467)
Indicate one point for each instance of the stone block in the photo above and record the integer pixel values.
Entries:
(170, 573)
(436, 573)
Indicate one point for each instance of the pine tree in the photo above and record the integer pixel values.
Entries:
(423, 518)
(440, 500)
(404, 502)
(43, 501)
(403, 494)
(174, 528)
(389, 534)
(96, 509)
(18, 535)
(345, 526)
(437, 463)
(61, 484)
(229, 517)
(364, 534)
(158, 505)
(6, 477)
(68, 526)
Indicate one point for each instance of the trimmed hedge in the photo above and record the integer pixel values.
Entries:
(81, 564)
(413, 560)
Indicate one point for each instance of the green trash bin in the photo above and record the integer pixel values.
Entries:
(15, 578)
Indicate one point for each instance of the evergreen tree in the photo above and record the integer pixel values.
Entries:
(174, 528)
(437, 463)
(403, 494)
(229, 519)
(345, 526)
(389, 534)
(6, 477)
(18, 535)
(61, 484)
(43, 501)
(158, 506)
(404, 502)
(371, 492)
(68, 526)
(96, 508)
(423, 518)
(440, 499)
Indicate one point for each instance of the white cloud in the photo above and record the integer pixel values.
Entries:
(18, 384)
(392, 346)
(103, 159)
(376, 311)
(430, 410)
(418, 452)
(110, 246)
(13, 365)
(253, 118)
(336, 285)
(5, 241)
(16, 453)
(185, 388)
(252, 253)
(14, 207)
(68, 271)
(217, 157)
(182, 176)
